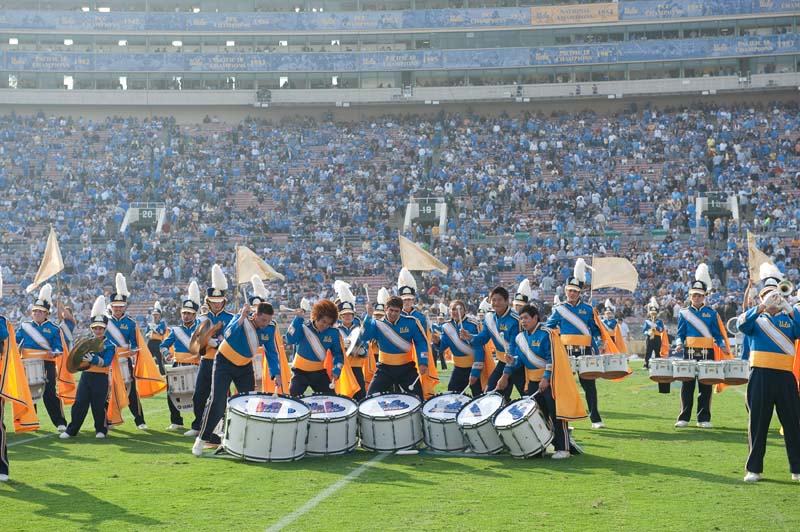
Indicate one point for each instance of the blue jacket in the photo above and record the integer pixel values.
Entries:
(540, 355)
(507, 327)
(48, 330)
(302, 333)
(407, 327)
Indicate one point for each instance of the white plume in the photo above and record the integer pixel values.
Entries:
(556, 301)
(218, 280)
(157, 306)
(768, 269)
(406, 279)
(46, 294)
(259, 290)
(443, 310)
(525, 288)
(305, 304)
(702, 274)
(609, 305)
(383, 296)
(579, 271)
(653, 302)
(193, 294)
(121, 285)
(485, 306)
(99, 308)
(343, 292)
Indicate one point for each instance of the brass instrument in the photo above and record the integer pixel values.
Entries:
(785, 288)
(653, 330)
(200, 337)
(85, 345)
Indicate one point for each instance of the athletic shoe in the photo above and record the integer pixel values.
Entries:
(598, 425)
(191, 433)
(61, 428)
(197, 448)
(175, 428)
(681, 423)
(705, 425)
(560, 455)
(3, 478)
(143, 426)
(64, 436)
(100, 435)
(752, 477)
(795, 476)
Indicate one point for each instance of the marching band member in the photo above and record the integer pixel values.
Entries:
(483, 308)
(93, 386)
(541, 355)
(772, 330)
(399, 336)
(466, 371)
(175, 350)
(155, 332)
(523, 295)
(41, 338)
(347, 323)
(252, 328)
(314, 338)
(437, 352)
(612, 327)
(66, 322)
(407, 289)
(373, 351)
(652, 330)
(500, 327)
(699, 328)
(216, 299)
(581, 333)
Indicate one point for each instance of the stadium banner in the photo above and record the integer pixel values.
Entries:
(574, 14)
(411, 60)
(659, 9)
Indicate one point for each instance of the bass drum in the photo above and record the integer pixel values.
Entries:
(439, 422)
(332, 427)
(390, 422)
(475, 422)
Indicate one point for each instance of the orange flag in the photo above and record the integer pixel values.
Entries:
(718, 354)
(488, 363)
(267, 385)
(611, 347)
(117, 396)
(149, 381)
(569, 405)
(370, 364)
(346, 384)
(664, 344)
(14, 386)
(65, 381)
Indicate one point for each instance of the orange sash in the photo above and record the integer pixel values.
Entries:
(14, 386)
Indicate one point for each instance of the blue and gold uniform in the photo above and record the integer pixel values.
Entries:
(308, 367)
(466, 362)
(202, 387)
(177, 342)
(154, 333)
(35, 339)
(359, 354)
(397, 344)
(122, 333)
(93, 393)
(772, 343)
(652, 331)
(500, 329)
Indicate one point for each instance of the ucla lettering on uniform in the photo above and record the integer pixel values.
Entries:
(784, 324)
(327, 339)
(403, 330)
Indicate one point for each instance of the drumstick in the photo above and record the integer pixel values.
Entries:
(287, 309)
(366, 291)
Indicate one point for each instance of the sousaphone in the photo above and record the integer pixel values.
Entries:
(83, 346)
(200, 337)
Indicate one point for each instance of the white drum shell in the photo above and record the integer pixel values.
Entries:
(36, 376)
(737, 372)
(661, 370)
(441, 432)
(528, 435)
(480, 433)
(388, 431)
(258, 369)
(331, 435)
(590, 367)
(259, 438)
(684, 370)
(710, 372)
(181, 382)
(615, 366)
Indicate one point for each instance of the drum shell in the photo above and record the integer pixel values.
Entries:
(661, 370)
(590, 367)
(710, 372)
(684, 370)
(390, 432)
(443, 434)
(481, 436)
(36, 376)
(737, 372)
(527, 436)
(264, 439)
(331, 435)
(614, 366)
(181, 382)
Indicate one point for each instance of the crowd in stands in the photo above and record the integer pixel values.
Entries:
(323, 199)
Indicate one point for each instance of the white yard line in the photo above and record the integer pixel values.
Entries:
(324, 494)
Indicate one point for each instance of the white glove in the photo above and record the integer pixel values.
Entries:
(786, 306)
(773, 300)
(213, 342)
(347, 343)
(87, 357)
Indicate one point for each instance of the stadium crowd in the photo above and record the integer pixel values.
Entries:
(324, 199)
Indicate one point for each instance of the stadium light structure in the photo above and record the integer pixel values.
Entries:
(13, 40)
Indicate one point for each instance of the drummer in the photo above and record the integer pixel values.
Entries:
(41, 338)
(349, 322)
(534, 350)
(772, 330)
(612, 326)
(314, 338)
(155, 332)
(234, 363)
(466, 370)
(399, 336)
(699, 329)
(175, 351)
(93, 385)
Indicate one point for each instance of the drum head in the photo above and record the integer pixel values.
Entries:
(390, 404)
(268, 406)
(330, 406)
(517, 410)
(480, 409)
(444, 406)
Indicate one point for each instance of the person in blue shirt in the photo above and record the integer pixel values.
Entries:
(652, 329)
(155, 333)
(771, 331)
(93, 386)
(466, 372)
(314, 338)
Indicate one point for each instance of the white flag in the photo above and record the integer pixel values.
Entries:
(614, 272)
(249, 264)
(52, 263)
(417, 259)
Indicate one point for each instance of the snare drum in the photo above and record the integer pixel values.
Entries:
(710, 372)
(614, 366)
(737, 372)
(590, 367)
(180, 385)
(439, 425)
(661, 370)
(332, 426)
(34, 372)
(390, 422)
(523, 428)
(475, 421)
(684, 370)
(265, 428)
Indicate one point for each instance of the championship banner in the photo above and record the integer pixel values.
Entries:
(415, 258)
(615, 272)
(52, 263)
(249, 264)
(574, 14)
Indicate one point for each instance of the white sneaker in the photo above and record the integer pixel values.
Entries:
(752, 477)
(100, 435)
(64, 436)
(560, 455)
(191, 433)
(681, 423)
(197, 448)
(705, 425)
(598, 425)
(61, 428)
(795, 476)
(143, 426)
(3, 478)
(175, 428)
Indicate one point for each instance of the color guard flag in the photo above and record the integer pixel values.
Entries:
(52, 263)
(614, 272)
(415, 258)
(249, 264)
(755, 258)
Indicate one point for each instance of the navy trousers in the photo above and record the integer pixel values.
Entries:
(92, 393)
(772, 389)
(224, 373)
(395, 378)
(202, 390)
(459, 380)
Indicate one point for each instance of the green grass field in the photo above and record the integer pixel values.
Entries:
(640, 473)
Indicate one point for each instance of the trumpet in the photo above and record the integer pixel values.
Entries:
(785, 288)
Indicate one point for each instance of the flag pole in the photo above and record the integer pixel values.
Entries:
(236, 274)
